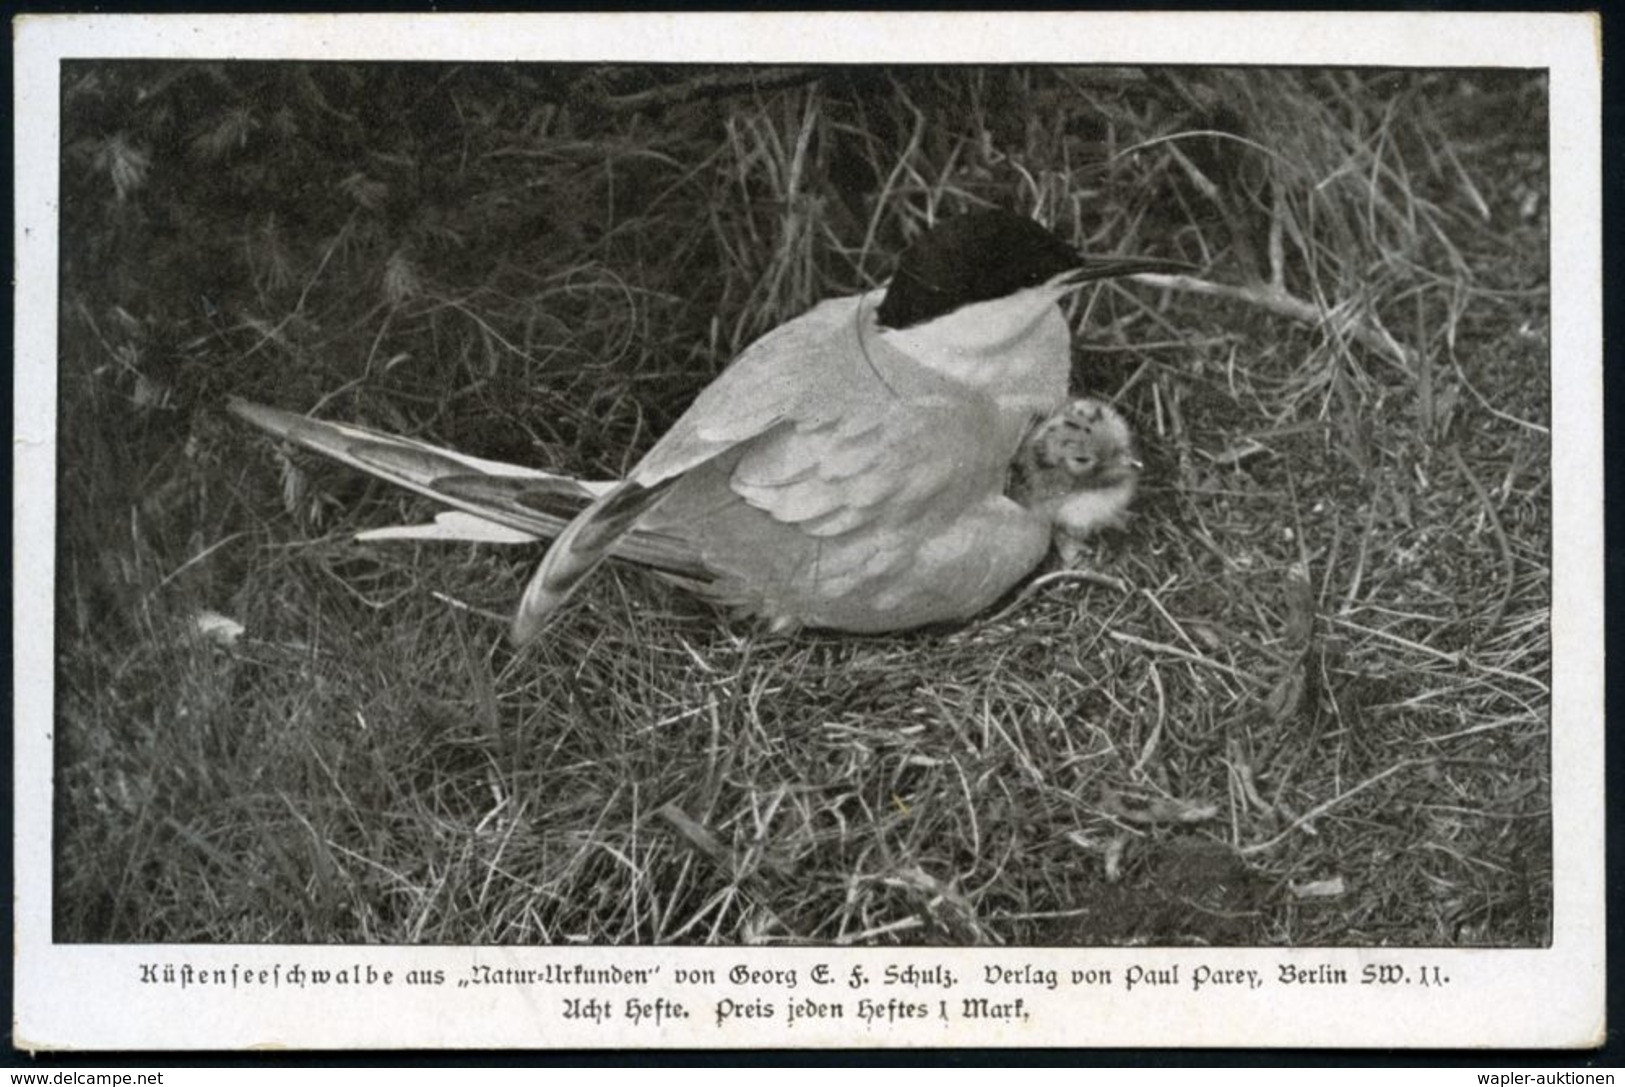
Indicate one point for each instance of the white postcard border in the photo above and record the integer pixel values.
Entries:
(116, 997)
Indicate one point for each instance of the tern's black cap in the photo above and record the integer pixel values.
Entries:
(982, 256)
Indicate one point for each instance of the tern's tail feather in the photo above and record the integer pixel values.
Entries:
(604, 529)
(498, 503)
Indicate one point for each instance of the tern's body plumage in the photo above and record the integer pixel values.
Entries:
(871, 499)
(849, 470)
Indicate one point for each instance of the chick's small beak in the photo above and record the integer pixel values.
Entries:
(1121, 468)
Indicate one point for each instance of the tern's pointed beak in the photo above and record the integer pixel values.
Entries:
(1091, 268)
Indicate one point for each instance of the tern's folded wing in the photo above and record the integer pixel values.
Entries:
(801, 377)
(894, 512)
(890, 461)
(525, 499)
(493, 502)
(811, 371)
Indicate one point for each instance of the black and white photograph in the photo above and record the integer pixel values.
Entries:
(809, 507)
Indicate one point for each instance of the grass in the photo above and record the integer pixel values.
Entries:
(1314, 711)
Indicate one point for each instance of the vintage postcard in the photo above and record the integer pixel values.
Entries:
(811, 530)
